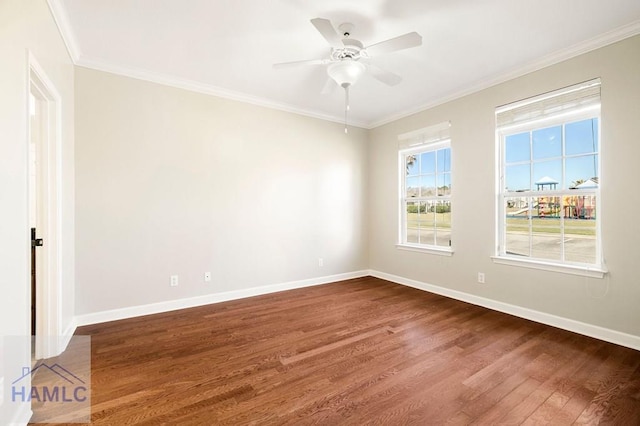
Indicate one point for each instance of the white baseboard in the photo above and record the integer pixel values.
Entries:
(67, 334)
(608, 335)
(172, 305)
(590, 330)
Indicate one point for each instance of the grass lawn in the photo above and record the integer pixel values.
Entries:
(548, 225)
(426, 220)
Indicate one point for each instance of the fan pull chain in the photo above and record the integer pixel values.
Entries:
(346, 107)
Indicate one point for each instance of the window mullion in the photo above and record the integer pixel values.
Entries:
(530, 201)
(563, 185)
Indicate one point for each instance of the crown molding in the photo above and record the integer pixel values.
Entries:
(598, 42)
(62, 22)
(207, 89)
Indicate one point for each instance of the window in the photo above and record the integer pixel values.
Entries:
(549, 179)
(425, 188)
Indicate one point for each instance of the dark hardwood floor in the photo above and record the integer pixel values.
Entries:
(362, 351)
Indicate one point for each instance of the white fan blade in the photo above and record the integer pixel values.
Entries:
(329, 33)
(306, 62)
(394, 44)
(386, 77)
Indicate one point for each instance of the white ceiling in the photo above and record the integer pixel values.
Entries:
(227, 47)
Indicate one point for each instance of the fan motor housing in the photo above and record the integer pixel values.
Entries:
(352, 49)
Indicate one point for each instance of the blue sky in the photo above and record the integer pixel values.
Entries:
(426, 166)
(545, 146)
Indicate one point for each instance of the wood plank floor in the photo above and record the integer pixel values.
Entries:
(356, 352)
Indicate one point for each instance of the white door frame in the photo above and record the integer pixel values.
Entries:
(48, 339)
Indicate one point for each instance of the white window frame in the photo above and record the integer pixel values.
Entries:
(597, 269)
(430, 139)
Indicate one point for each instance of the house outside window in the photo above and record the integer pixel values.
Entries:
(425, 190)
(549, 181)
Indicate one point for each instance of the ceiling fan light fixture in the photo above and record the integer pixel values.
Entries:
(346, 72)
(344, 67)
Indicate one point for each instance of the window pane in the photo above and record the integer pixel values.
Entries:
(443, 213)
(517, 237)
(518, 240)
(427, 236)
(443, 237)
(547, 143)
(579, 170)
(546, 234)
(444, 160)
(427, 223)
(423, 209)
(412, 187)
(580, 229)
(570, 206)
(443, 223)
(444, 184)
(578, 248)
(518, 178)
(545, 207)
(589, 206)
(581, 137)
(517, 207)
(426, 214)
(412, 222)
(580, 206)
(547, 175)
(428, 162)
(428, 186)
(546, 241)
(517, 148)
(412, 164)
(412, 234)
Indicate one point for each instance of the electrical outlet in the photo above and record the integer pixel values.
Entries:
(481, 277)
(320, 262)
(174, 280)
(207, 277)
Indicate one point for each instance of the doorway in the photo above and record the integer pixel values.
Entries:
(43, 140)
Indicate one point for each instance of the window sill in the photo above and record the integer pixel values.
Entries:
(444, 251)
(592, 272)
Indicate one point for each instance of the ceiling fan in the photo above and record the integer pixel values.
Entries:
(344, 61)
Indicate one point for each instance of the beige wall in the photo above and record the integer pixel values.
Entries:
(28, 25)
(176, 182)
(612, 302)
(173, 182)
